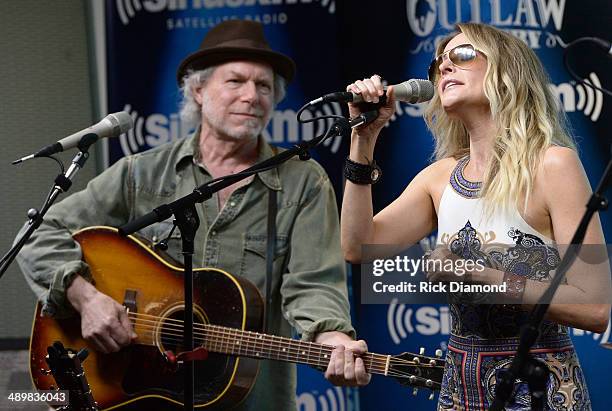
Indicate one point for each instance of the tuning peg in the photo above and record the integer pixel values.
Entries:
(412, 379)
(415, 391)
(421, 350)
(431, 396)
(432, 362)
(429, 383)
(416, 360)
(439, 353)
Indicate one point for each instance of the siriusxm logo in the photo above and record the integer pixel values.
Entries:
(403, 320)
(127, 9)
(157, 128)
(332, 400)
(151, 131)
(577, 97)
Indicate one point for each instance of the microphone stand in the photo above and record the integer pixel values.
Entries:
(62, 184)
(524, 366)
(186, 219)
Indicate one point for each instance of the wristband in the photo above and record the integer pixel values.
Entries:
(362, 173)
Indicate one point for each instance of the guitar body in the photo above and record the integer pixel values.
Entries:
(139, 377)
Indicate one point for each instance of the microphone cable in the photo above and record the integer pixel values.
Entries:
(601, 43)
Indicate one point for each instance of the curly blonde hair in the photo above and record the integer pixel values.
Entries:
(527, 116)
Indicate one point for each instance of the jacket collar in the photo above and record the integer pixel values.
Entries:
(189, 150)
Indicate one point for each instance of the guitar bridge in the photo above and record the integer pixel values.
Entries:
(129, 301)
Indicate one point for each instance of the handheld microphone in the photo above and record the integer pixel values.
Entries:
(410, 91)
(112, 125)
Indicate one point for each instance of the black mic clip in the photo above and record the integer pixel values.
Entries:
(163, 244)
(363, 119)
(342, 125)
(86, 141)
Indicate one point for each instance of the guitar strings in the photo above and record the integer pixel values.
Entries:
(322, 363)
(254, 337)
(226, 346)
(225, 334)
(374, 368)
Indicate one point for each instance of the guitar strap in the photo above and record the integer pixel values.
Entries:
(270, 247)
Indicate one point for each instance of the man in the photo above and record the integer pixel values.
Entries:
(230, 87)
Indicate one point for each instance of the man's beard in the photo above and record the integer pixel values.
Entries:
(251, 128)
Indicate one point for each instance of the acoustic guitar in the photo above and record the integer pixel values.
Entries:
(227, 320)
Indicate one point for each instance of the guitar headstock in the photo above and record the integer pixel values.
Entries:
(65, 365)
(418, 370)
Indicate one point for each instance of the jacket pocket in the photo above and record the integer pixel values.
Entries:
(253, 264)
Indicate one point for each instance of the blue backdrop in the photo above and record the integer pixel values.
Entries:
(333, 43)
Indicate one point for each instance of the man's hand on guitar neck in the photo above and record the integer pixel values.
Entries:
(345, 367)
(104, 322)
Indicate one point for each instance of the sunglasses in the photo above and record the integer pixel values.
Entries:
(459, 56)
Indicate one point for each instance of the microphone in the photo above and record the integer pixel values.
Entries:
(110, 126)
(410, 91)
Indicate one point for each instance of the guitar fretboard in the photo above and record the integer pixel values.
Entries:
(256, 345)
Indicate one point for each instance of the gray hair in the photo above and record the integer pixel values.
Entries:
(190, 109)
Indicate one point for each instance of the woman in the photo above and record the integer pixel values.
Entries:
(503, 159)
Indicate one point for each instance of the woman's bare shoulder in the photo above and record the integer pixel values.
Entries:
(556, 158)
(440, 169)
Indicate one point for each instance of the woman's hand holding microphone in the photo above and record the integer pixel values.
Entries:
(363, 138)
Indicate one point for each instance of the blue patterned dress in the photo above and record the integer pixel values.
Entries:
(485, 336)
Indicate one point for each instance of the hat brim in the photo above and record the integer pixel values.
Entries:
(202, 59)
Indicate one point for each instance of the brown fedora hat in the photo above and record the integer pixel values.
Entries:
(236, 40)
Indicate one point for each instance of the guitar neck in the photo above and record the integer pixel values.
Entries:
(256, 345)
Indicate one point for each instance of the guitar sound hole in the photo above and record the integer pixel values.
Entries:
(170, 338)
(149, 372)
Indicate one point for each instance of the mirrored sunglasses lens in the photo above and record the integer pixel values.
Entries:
(462, 54)
(433, 70)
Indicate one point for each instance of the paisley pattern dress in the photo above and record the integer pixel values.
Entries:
(484, 337)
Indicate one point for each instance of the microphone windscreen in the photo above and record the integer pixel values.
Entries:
(414, 91)
(122, 122)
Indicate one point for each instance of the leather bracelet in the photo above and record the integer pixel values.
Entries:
(515, 286)
(362, 173)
